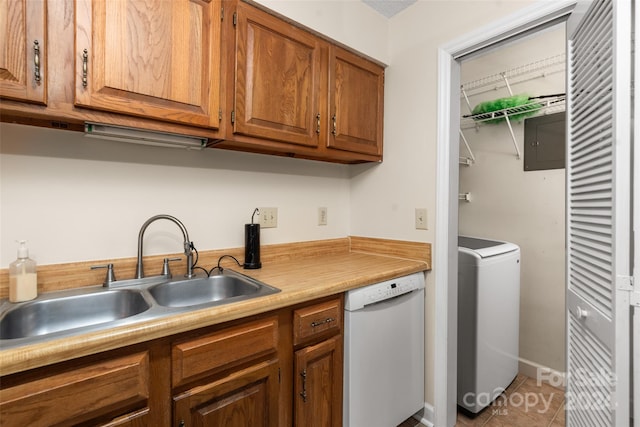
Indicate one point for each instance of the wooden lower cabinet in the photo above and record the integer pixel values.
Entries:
(248, 397)
(242, 373)
(115, 391)
(231, 376)
(318, 391)
(318, 345)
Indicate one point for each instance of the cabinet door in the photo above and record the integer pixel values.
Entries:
(90, 392)
(318, 385)
(157, 59)
(23, 56)
(276, 79)
(356, 93)
(248, 397)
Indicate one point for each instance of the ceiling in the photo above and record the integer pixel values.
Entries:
(389, 8)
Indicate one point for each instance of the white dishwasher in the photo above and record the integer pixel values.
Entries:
(384, 352)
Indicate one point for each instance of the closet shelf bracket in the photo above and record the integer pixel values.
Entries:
(464, 196)
(513, 136)
(467, 160)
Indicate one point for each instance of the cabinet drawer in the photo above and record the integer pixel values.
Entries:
(223, 349)
(317, 320)
(78, 395)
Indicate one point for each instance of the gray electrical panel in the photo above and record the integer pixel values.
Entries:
(545, 142)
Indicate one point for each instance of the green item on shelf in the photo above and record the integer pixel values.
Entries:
(521, 105)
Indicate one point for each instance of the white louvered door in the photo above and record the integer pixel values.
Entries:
(599, 214)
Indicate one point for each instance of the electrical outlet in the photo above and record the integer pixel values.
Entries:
(268, 217)
(322, 216)
(421, 219)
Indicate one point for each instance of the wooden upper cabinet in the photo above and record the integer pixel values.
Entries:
(23, 50)
(156, 59)
(277, 79)
(356, 96)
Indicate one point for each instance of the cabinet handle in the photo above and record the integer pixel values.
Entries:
(36, 60)
(318, 123)
(181, 423)
(322, 322)
(334, 131)
(303, 393)
(85, 60)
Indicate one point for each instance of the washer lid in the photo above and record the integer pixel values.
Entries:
(485, 248)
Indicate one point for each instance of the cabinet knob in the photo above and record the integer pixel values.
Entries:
(581, 313)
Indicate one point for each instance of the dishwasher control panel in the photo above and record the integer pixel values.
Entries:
(358, 298)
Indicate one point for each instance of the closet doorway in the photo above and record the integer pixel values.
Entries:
(512, 179)
(531, 20)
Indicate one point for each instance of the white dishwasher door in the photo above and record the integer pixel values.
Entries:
(384, 362)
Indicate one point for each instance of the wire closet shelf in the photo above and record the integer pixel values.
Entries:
(540, 105)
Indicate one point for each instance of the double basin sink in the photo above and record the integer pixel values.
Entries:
(65, 313)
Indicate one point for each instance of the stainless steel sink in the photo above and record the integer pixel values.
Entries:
(222, 288)
(70, 311)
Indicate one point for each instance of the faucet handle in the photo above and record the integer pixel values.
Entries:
(166, 271)
(110, 277)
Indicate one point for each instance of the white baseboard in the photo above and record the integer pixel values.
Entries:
(426, 415)
(542, 374)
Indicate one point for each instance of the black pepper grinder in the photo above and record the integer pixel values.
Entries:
(252, 244)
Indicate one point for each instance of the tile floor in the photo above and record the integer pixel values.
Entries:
(524, 403)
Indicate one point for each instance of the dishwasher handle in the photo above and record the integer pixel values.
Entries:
(391, 300)
(359, 298)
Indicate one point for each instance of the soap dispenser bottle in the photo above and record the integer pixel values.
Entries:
(23, 278)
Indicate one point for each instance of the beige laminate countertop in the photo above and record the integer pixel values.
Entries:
(299, 281)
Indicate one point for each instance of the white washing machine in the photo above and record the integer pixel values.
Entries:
(488, 319)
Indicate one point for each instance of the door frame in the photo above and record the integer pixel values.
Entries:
(531, 19)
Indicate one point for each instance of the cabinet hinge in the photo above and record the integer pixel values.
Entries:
(233, 117)
(222, 13)
(235, 18)
(279, 376)
(220, 115)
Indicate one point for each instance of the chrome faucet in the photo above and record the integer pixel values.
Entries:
(187, 245)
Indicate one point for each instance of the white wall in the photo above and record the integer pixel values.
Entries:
(526, 208)
(383, 198)
(76, 198)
